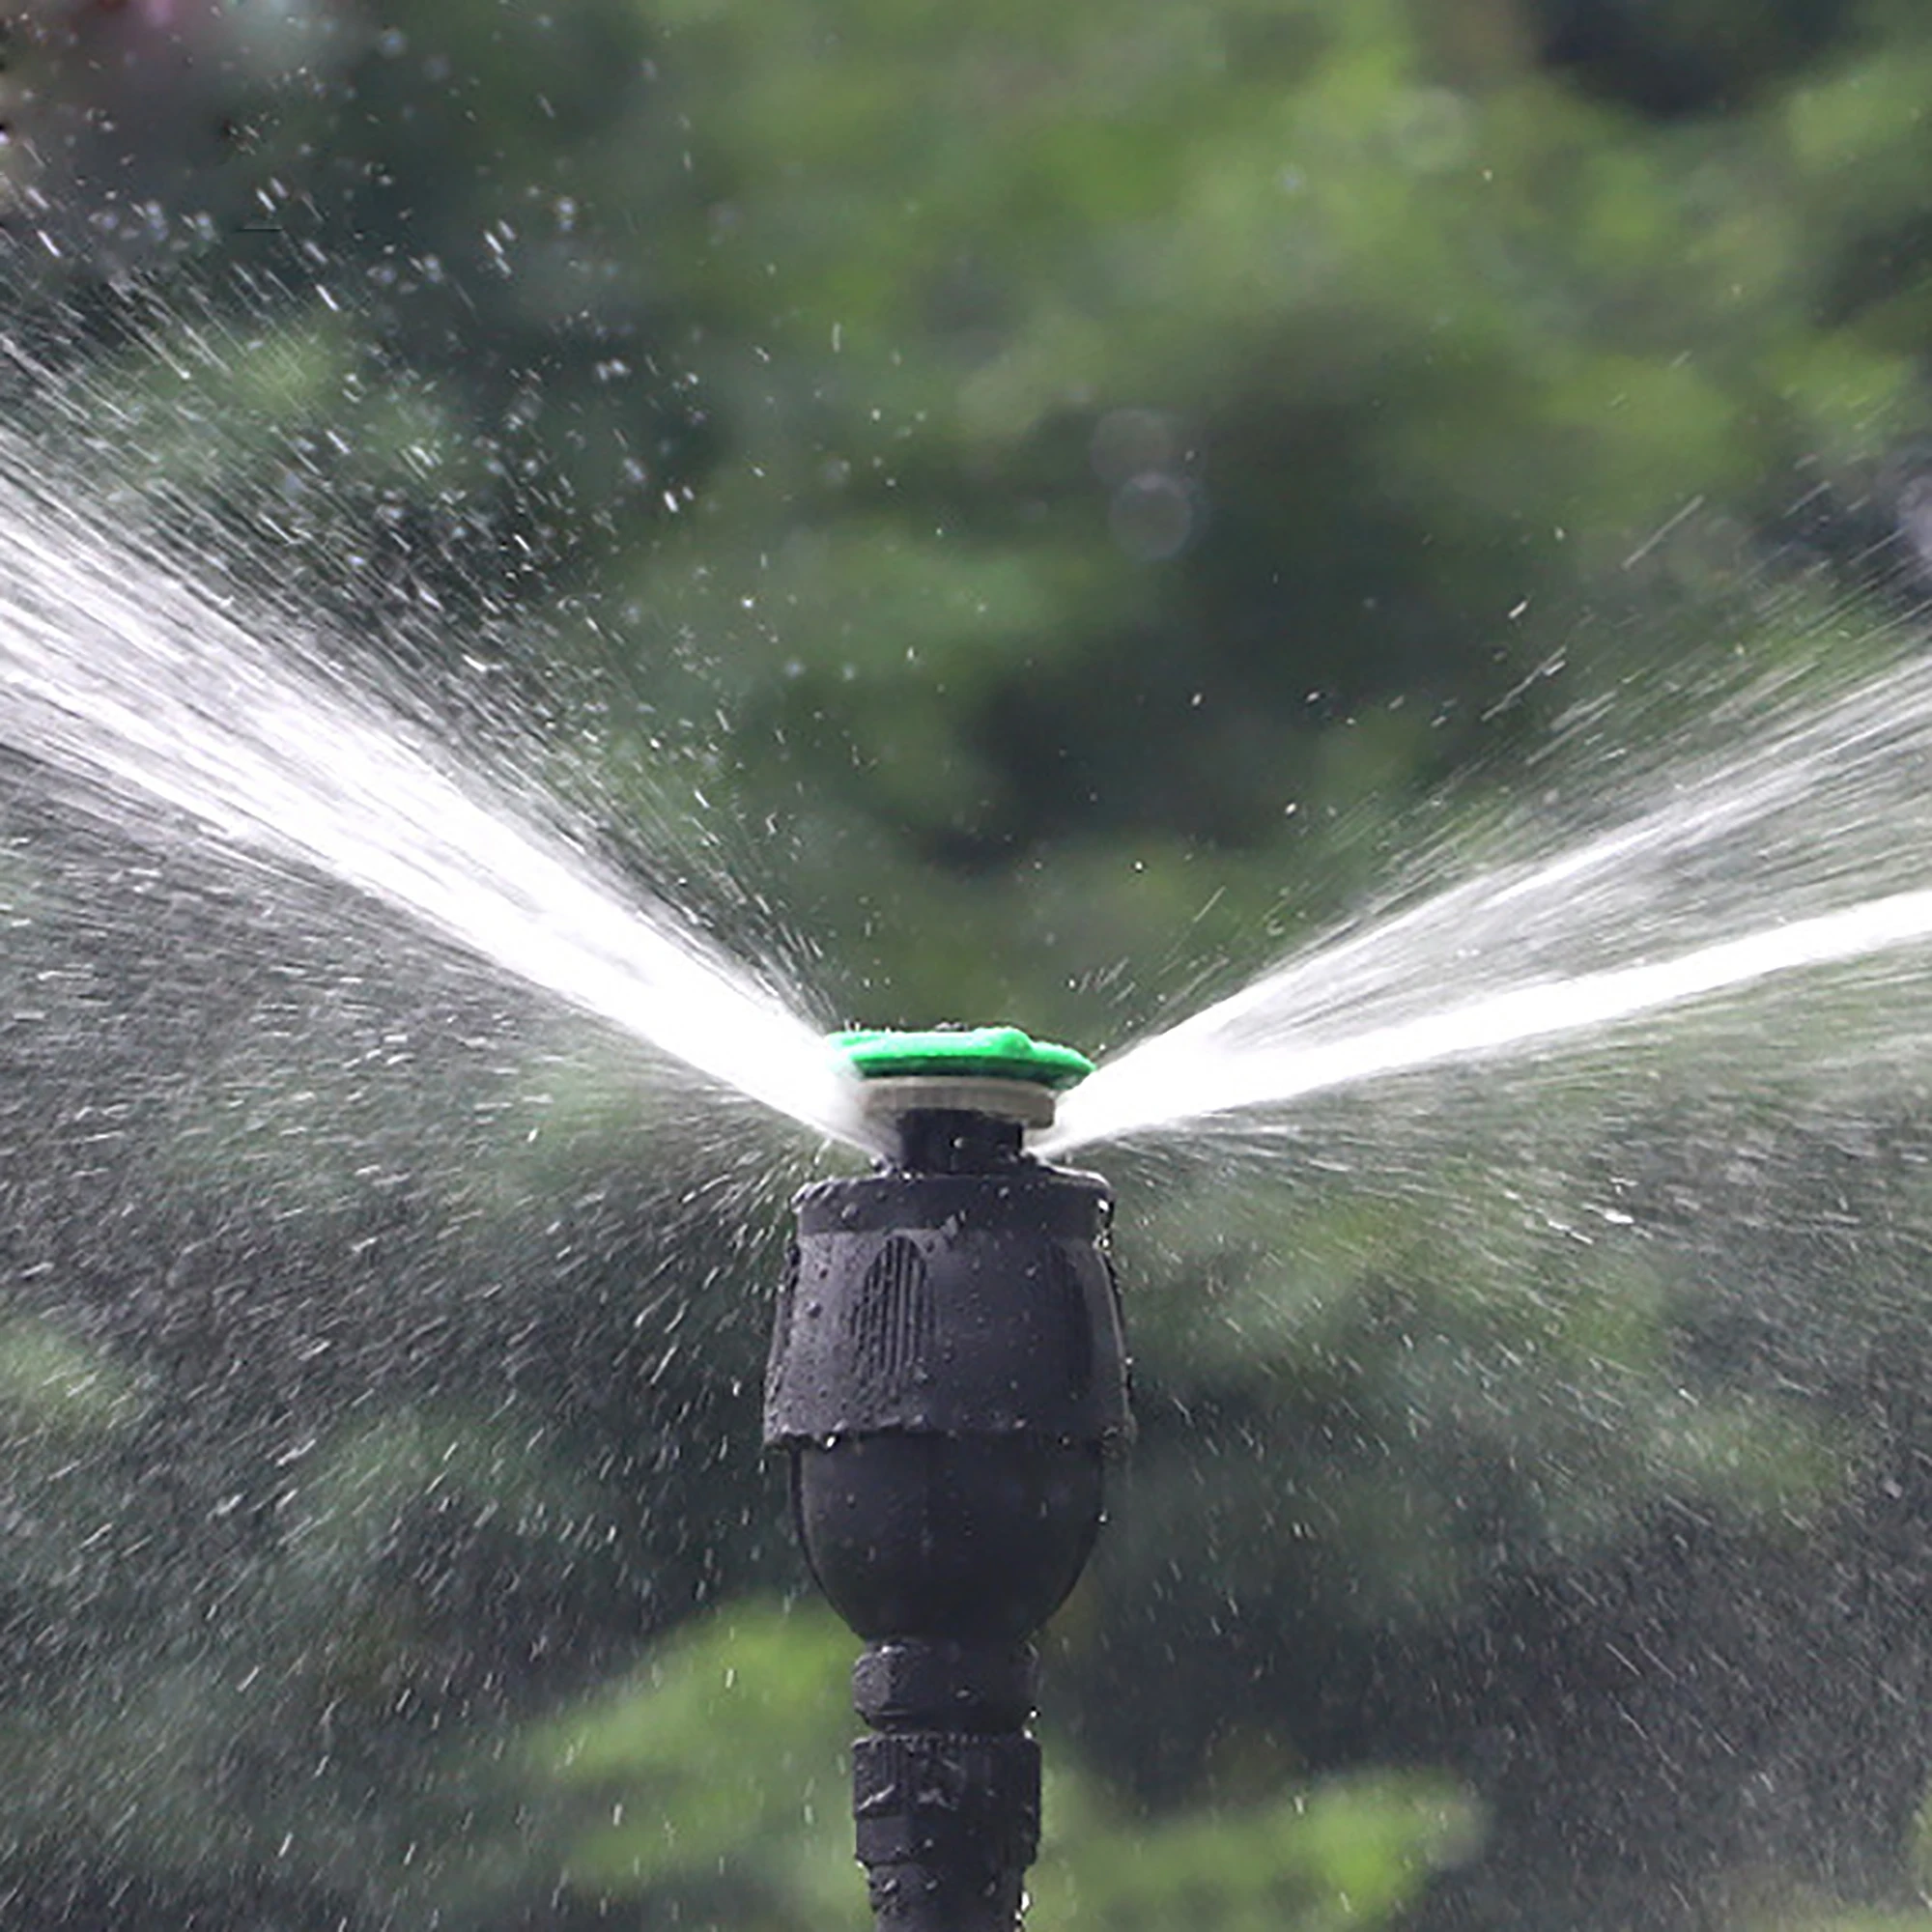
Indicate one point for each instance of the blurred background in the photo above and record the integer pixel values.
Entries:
(1002, 512)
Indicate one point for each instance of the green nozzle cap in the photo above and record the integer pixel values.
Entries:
(975, 1053)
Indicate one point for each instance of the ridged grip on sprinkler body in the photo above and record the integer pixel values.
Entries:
(952, 1305)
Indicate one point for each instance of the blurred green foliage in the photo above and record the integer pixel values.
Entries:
(1053, 504)
(704, 1787)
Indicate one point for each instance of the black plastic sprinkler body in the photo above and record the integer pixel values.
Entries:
(947, 1379)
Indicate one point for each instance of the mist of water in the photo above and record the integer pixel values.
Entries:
(146, 704)
(1804, 848)
(1799, 846)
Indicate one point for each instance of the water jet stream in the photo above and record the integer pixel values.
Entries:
(147, 704)
(1170, 1079)
(1803, 843)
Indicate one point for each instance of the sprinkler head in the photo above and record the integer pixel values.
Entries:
(989, 1084)
(948, 1381)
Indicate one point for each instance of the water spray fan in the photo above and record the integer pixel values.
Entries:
(949, 1380)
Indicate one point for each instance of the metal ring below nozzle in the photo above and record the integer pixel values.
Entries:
(883, 1101)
